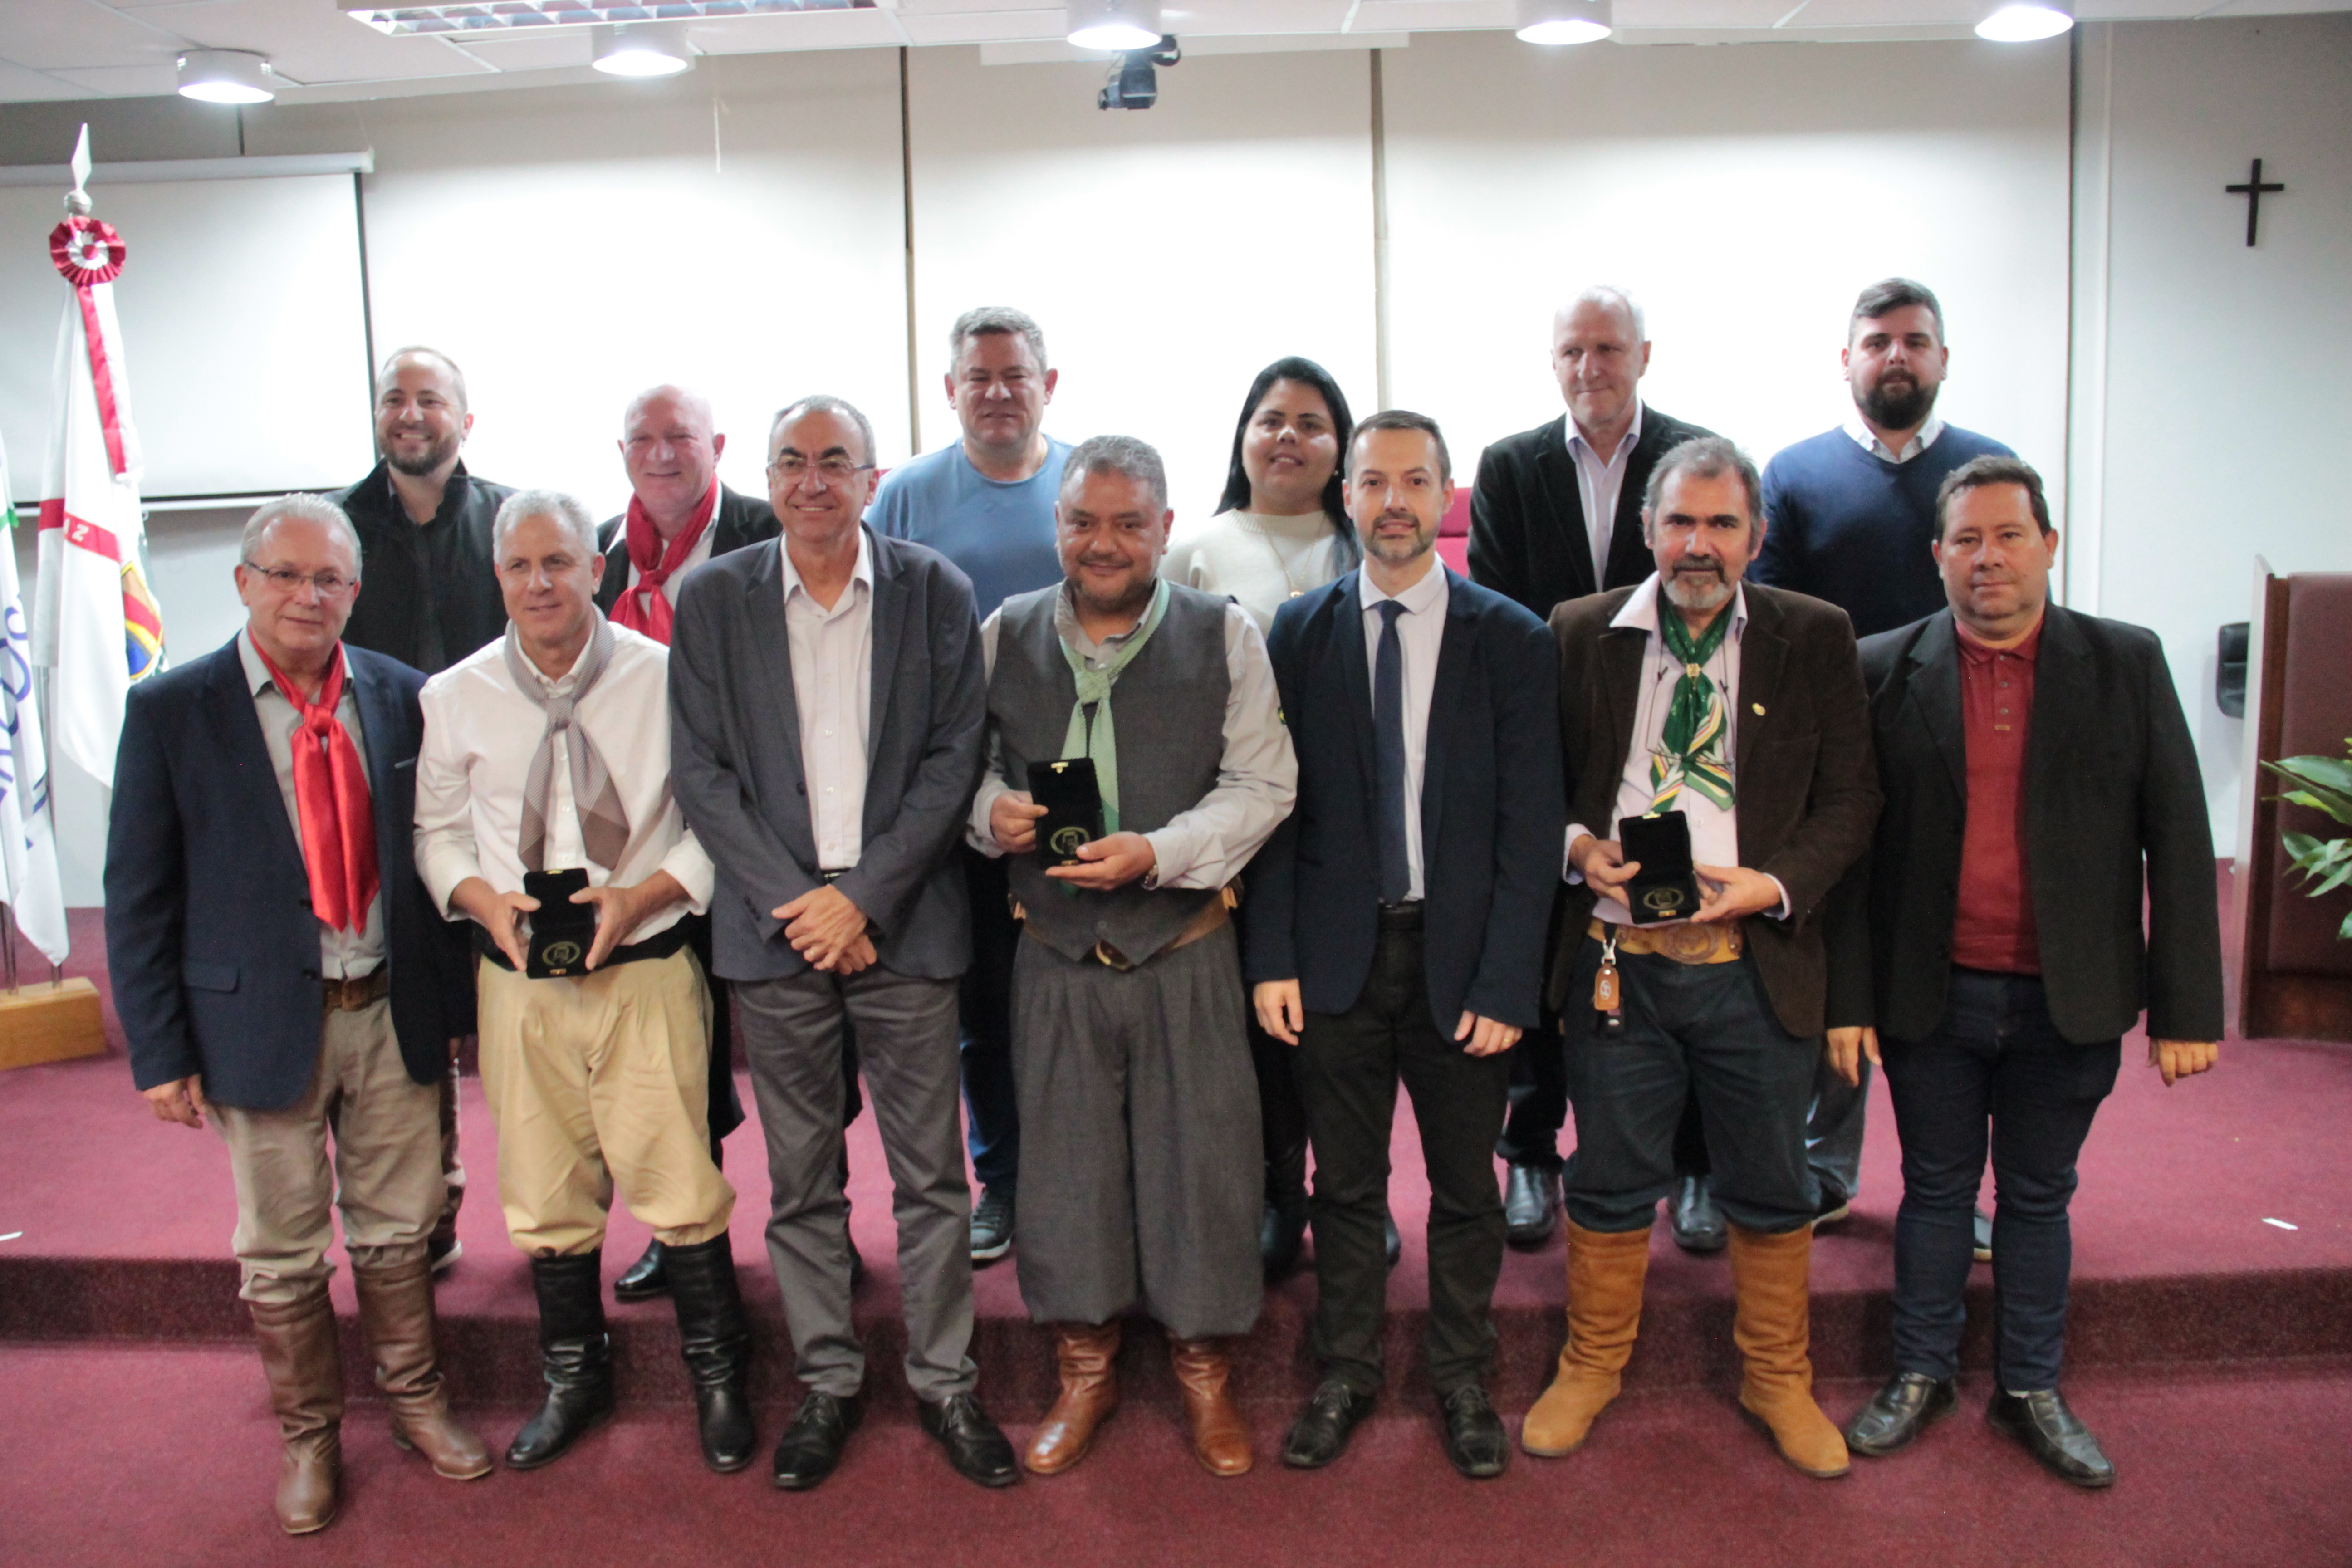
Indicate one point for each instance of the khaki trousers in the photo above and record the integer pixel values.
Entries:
(385, 1175)
(596, 1082)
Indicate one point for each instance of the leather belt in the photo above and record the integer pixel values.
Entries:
(1684, 941)
(351, 996)
(1218, 911)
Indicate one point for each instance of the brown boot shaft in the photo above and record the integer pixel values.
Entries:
(305, 1370)
(396, 1315)
(1606, 1272)
(1773, 1326)
(1221, 1437)
(1087, 1355)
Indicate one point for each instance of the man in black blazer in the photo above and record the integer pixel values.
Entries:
(2039, 777)
(1398, 918)
(1555, 515)
(678, 517)
(827, 698)
(276, 964)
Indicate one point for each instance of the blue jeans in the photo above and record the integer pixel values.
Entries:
(985, 1012)
(1996, 1074)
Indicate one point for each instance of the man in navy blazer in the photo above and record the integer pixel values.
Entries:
(1397, 920)
(828, 696)
(275, 963)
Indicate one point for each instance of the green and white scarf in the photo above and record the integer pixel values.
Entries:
(1091, 732)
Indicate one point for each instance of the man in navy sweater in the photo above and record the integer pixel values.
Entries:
(1852, 515)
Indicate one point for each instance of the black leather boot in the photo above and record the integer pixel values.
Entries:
(1282, 1228)
(643, 1279)
(717, 1342)
(575, 1357)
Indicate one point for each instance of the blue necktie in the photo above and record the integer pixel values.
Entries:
(1388, 752)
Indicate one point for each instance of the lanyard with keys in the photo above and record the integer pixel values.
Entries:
(1608, 993)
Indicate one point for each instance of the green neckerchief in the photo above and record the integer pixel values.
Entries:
(1693, 751)
(1099, 738)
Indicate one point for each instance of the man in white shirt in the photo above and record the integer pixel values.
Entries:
(548, 753)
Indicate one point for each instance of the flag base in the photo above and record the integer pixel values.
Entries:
(41, 1023)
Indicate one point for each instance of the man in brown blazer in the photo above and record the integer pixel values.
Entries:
(1740, 708)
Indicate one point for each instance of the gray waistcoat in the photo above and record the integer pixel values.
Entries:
(1170, 708)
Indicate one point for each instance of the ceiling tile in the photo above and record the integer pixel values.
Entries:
(806, 30)
(983, 26)
(537, 50)
(125, 81)
(18, 84)
(310, 41)
(46, 34)
(1432, 15)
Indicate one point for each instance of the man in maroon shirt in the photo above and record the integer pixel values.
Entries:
(2038, 773)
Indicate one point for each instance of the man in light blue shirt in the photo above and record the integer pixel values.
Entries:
(987, 504)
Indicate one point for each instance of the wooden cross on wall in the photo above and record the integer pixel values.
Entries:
(2253, 191)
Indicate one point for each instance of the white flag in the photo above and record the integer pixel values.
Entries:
(28, 850)
(97, 627)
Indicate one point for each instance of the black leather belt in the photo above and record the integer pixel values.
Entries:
(359, 990)
(1400, 917)
(661, 944)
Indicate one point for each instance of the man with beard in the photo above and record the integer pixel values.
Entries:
(423, 525)
(1853, 521)
(1739, 708)
(1131, 1052)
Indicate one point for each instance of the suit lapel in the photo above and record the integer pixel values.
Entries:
(1557, 471)
(1455, 650)
(236, 721)
(1622, 652)
(2063, 712)
(1763, 655)
(1355, 670)
(1933, 693)
(380, 734)
(888, 621)
(771, 709)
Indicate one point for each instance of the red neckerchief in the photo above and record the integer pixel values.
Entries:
(331, 799)
(644, 608)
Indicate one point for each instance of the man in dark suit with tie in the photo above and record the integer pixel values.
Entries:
(1555, 515)
(278, 965)
(1423, 712)
(1989, 954)
(827, 699)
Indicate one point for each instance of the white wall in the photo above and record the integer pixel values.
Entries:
(1745, 196)
(1169, 254)
(2228, 394)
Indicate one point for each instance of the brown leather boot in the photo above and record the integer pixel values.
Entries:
(396, 1314)
(1220, 1438)
(1088, 1353)
(306, 1389)
(1605, 1273)
(1773, 1328)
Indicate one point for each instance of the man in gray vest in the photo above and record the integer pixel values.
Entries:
(1141, 1176)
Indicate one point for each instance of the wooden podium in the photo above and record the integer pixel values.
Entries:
(45, 1023)
(2296, 973)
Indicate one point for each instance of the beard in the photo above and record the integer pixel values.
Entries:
(1133, 597)
(1693, 588)
(440, 452)
(1898, 403)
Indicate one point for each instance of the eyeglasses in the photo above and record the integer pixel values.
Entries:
(792, 466)
(330, 585)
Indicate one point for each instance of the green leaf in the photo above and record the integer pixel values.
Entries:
(2343, 932)
(2326, 783)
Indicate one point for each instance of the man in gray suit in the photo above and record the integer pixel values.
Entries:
(827, 699)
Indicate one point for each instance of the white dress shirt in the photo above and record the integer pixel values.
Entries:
(832, 656)
(1713, 832)
(480, 733)
(694, 558)
(1258, 777)
(1600, 482)
(343, 954)
(1867, 439)
(1420, 631)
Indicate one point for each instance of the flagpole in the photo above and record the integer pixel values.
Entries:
(8, 941)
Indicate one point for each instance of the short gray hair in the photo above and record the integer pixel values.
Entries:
(559, 506)
(1618, 299)
(824, 403)
(305, 508)
(1709, 458)
(982, 320)
(1122, 455)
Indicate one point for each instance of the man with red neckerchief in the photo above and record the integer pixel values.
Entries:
(280, 970)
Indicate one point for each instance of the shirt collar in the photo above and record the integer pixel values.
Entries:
(1632, 438)
(862, 572)
(1640, 611)
(1868, 440)
(1418, 599)
(257, 674)
(1066, 622)
(1976, 652)
(562, 683)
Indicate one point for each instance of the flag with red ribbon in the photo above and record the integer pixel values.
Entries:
(97, 627)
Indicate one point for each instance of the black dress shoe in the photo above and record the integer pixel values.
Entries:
(1696, 1223)
(1321, 1434)
(1982, 1236)
(1531, 1204)
(646, 1278)
(1393, 1243)
(811, 1446)
(2049, 1432)
(1474, 1438)
(1908, 1405)
(974, 1446)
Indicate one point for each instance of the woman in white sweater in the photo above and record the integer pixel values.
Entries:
(1282, 526)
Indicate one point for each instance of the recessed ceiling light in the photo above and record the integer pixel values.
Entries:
(1565, 21)
(1118, 25)
(642, 48)
(2027, 21)
(227, 76)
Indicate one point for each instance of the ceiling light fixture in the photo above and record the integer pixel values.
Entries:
(227, 76)
(1117, 24)
(642, 48)
(1565, 21)
(2027, 21)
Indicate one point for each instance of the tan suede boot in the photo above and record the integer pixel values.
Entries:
(1221, 1437)
(306, 1389)
(1088, 1354)
(1773, 1329)
(396, 1314)
(1605, 1273)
